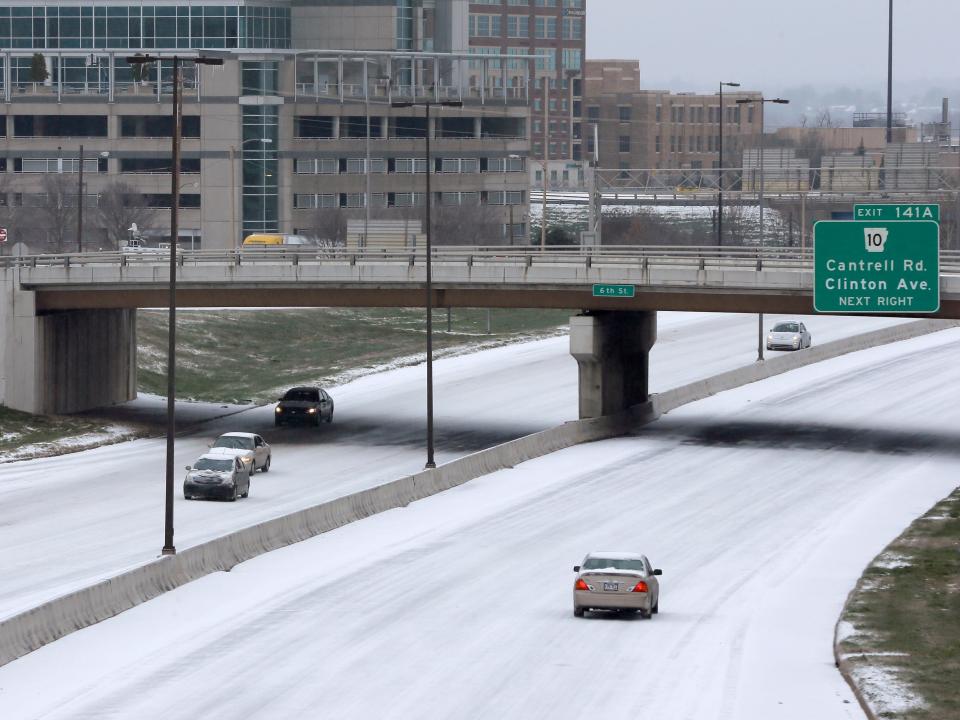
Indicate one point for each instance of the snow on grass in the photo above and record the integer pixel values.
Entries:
(882, 688)
(891, 561)
(70, 444)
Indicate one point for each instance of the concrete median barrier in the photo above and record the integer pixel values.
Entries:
(30, 630)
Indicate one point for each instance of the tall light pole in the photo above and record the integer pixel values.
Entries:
(890, 76)
(506, 200)
(103, 154)
(546, 159)
(426, 104)
(80, 204)
(720, 168)
(762, 102)
(176, 114)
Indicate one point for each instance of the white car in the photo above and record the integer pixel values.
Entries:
(249, 447)
(789, 335)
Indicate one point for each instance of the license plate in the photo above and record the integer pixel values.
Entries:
(611, 587)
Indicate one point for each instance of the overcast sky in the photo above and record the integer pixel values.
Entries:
(770, 45)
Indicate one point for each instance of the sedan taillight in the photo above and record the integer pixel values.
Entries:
(641, 587)
(580, 585)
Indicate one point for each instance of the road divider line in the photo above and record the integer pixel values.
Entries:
(32, 629)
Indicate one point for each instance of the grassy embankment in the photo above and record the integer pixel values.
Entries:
(900, 631)
(248, 355)
(25, 435)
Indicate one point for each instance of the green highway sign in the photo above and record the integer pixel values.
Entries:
(614, 291)
(896, 212)
(876, 266)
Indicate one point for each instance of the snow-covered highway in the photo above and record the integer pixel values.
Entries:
(67, 522)
(460, 605)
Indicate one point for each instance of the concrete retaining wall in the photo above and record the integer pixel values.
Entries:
(28, 631)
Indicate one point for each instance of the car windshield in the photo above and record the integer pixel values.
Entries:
(616, 563)
(786, 327)
(211, 464)
(237, 443)
(302, 395)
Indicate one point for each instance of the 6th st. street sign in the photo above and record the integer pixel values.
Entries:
(876, 267)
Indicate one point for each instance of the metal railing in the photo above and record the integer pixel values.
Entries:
(634, 257)
(836, 180)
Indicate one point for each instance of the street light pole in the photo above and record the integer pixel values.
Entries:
(546, 160)
(762, 102)
(176, 114)
(80, 204)
(890, 76)
(720, 168)
(429, 269)
(367, 197)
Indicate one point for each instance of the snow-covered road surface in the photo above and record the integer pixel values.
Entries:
(459, 606)
(67, 522)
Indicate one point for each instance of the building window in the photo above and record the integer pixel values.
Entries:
(410, 165)
(624, 143)
(545, 28)
(572, 58)
(573, 28)
(78, 126)
(518, 26)
(313, 126)
(485, 26)
(137, 26)
(659, 115)
(407, 199)
(546, 59)
(625, 113)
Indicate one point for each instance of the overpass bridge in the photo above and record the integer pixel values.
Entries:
(68, 321)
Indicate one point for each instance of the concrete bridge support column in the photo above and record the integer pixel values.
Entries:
(613, 352)
(65, 362)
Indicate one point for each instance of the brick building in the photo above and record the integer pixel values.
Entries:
(651, 129)
(555, 31)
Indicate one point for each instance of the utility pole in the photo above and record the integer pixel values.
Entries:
(890, 77)
(80, 204)
(720, 168)
(546, 159)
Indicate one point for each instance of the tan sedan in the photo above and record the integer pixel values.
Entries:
(616, 581)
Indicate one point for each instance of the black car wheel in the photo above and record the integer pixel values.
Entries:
(578, 612)
(233, 497)
(266, 467)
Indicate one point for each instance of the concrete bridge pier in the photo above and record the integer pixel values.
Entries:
(613, 352)
(64, 362)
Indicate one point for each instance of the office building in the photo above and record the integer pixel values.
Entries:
(275, 140)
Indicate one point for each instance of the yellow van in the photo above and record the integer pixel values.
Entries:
(263, 240)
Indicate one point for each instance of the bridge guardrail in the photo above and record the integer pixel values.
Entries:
(706, 257)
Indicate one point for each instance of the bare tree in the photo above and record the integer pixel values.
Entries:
(56, 210)
(328, 225)
(467, 225)
(20, 222)
(121, 205)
